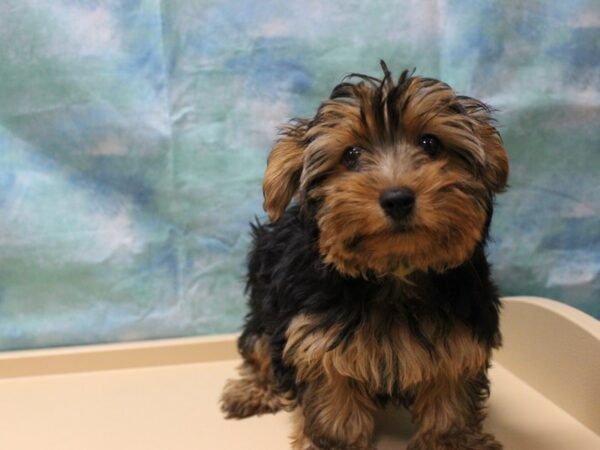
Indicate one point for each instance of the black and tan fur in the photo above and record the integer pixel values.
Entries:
(350, 309)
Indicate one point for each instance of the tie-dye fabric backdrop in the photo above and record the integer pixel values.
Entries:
(133, 137)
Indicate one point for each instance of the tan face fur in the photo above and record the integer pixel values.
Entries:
(453, 188)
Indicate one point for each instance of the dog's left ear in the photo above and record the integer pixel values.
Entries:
(495, 175)
(284, 168)
(496, 169)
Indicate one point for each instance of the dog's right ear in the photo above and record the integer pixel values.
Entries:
(284, 168)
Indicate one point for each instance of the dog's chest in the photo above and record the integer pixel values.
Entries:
(385, 360)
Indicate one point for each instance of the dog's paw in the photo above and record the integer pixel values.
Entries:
(244, 398)
(458, 441)
(310, 446)
(304, 443)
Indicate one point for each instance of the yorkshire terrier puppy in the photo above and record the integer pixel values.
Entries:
(373, 285)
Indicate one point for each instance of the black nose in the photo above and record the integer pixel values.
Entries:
(397, 203)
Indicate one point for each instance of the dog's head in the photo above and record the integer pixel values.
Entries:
(399, 176)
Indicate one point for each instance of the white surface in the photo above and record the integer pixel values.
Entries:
(556, 349)
(175, 407)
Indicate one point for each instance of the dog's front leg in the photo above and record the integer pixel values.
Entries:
(335, 414)
(449, 412)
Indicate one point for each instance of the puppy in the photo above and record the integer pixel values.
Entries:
(373, 285)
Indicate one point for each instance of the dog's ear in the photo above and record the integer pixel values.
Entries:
(284, 168)
(495, 174)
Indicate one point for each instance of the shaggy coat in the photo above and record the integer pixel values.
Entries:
(351, 307)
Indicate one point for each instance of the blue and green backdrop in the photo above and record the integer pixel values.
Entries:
(134, 134)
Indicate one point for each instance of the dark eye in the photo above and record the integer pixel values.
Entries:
(351, 157)
(430, 144)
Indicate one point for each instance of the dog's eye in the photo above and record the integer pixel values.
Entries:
(351, 157)
(430, 144)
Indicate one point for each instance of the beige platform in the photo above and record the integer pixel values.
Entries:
(163, 394)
